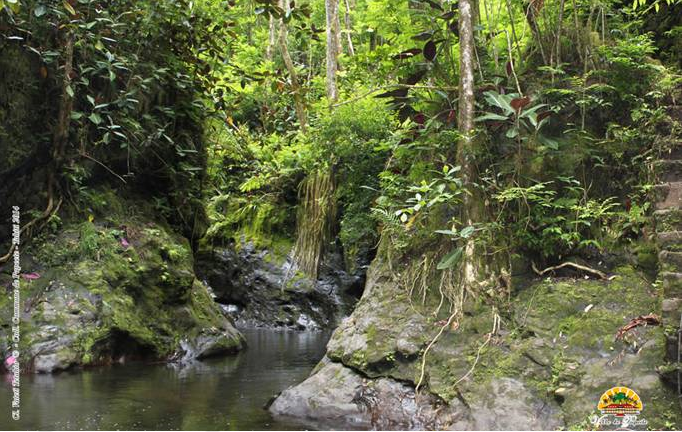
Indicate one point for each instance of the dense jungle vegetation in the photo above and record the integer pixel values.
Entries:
(244, 117)
(460, 142)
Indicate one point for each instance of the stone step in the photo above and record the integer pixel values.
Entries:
(670, 240)
(671, 309)
(668, 220)
(668, 195)
(670, 261)
(672, 284)
(668, 170)
(671, 352)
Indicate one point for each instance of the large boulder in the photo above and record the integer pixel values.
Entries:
(545, 368)
(113, 289)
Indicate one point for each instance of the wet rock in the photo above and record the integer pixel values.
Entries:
(260, 288)
(113, 303)
(507, 404)
(209, 343)
(548, 373)
(336, 397)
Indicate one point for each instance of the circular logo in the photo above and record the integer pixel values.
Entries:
(620, 401)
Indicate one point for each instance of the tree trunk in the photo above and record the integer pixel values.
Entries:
(272, 38)
(472, 203)
(531, 17)
(466, 69)
(299, 105)
(558, 33)
(332, 12)
(349, 29)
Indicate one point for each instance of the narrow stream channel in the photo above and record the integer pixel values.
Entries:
(225, 393)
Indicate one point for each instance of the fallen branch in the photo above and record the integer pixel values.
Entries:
(642, 320)
(587, 269)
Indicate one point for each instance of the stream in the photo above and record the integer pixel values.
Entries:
(226, 393)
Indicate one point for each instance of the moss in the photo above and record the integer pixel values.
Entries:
(94, 286)
(647, 258)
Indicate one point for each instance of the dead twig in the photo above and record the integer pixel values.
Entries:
(587, 269)
(642, 320)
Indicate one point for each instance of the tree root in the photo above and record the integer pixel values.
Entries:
(587, 269)
(428, 347)
(496, 327)
(49, 211)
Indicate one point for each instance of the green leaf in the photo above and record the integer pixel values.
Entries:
(68, 7)
(450, 259)
(447, 232)
(491, 116)
(548, 142)
(40, 10)
(95, 118)
(467, 231)
(500, 101)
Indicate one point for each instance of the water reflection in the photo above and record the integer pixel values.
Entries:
(226, 393)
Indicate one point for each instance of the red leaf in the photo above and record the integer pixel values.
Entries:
(407, 54)
(430, 51)
(31, 276)
(124, 242)
(519, 103)
(509, 68)
(544, 115)
(452, 116)
(420, 118)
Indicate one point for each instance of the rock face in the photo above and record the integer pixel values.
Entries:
(259, 288)
(113, 290)
(546, 368)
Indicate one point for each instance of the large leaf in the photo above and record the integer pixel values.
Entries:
(407, 54)
(423, 36)
(500, 101)
(450, 260)
(531, 110)
(430, 51)
(467, 231)
(519, 103)
(491, 116)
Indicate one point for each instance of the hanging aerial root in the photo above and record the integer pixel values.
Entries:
(316, 217)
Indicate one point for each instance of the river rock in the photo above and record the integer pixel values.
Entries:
(261, 288)
(131, 294)
(546, 368)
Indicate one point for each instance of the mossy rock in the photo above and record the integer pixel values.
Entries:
(118, 289)
(558, 340)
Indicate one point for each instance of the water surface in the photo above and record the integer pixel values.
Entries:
(218, 394)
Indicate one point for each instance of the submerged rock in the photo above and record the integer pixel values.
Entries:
(546, 368)
(95, 299)
(260, 288)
